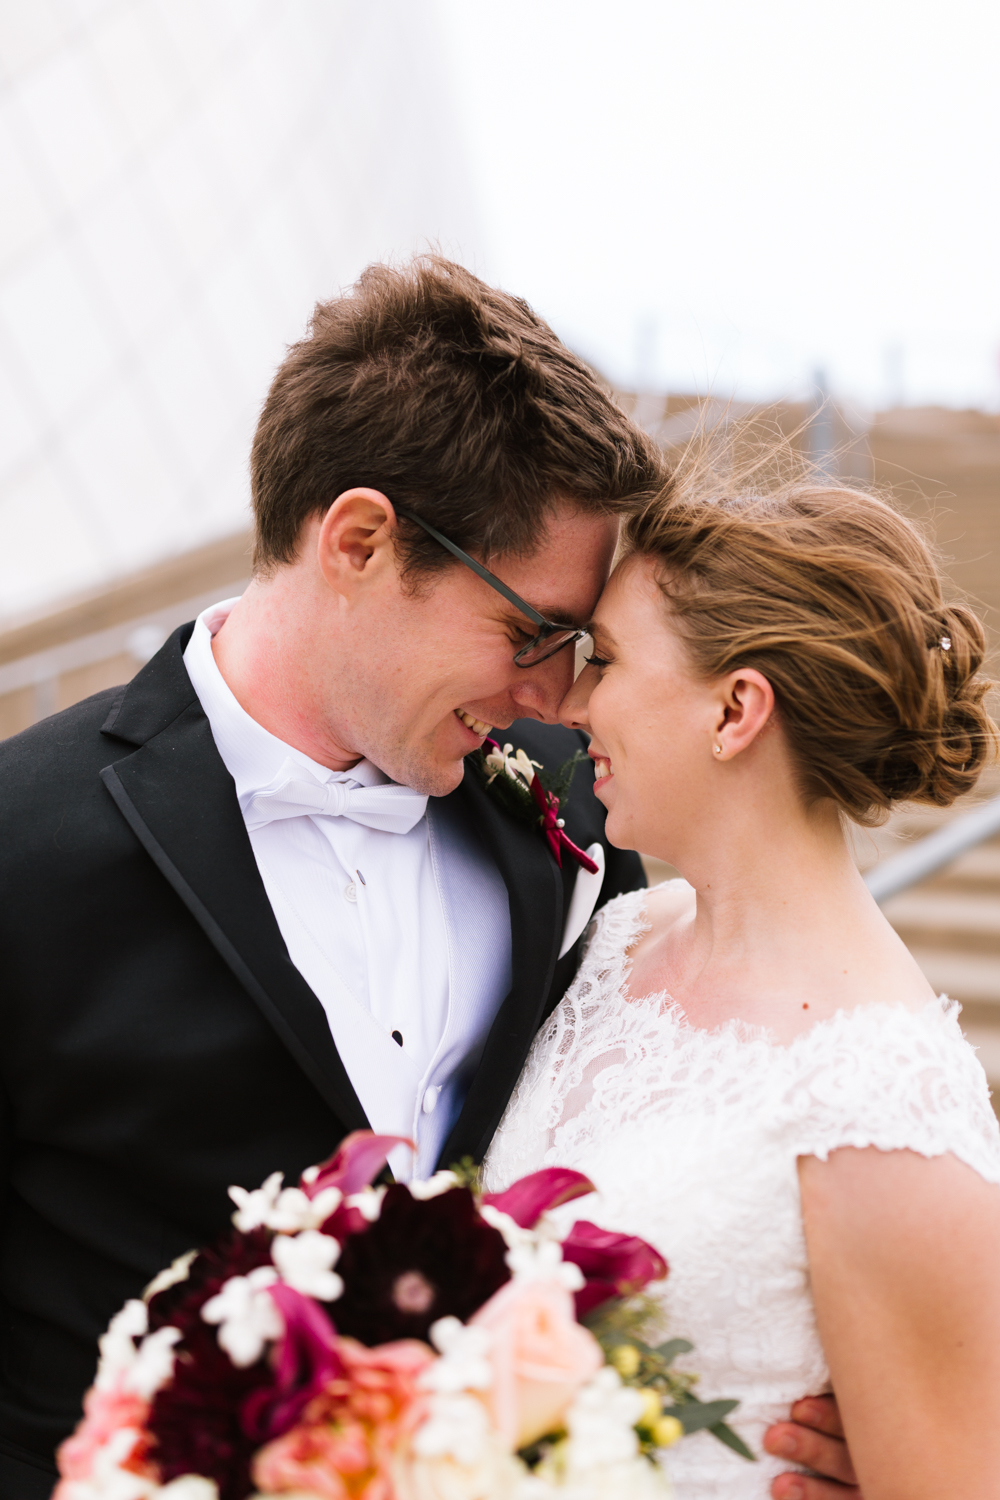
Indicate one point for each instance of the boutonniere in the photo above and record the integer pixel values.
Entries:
(516, 782)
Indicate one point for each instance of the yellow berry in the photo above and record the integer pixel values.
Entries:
(653, 1407)
(667, 1431)
(625, 1358)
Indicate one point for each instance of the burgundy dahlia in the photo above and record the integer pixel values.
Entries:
(195, 1421)
(421, 1260)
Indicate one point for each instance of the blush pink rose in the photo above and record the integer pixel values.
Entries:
(540, 1356)
(350, 1435)
(105, 1412)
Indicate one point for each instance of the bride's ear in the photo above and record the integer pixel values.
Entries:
(746, 706)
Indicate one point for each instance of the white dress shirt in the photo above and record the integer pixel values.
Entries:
(403, 937)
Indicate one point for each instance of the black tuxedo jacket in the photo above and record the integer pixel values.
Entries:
(157, 1043)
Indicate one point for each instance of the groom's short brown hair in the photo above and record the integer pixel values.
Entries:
(451, 398)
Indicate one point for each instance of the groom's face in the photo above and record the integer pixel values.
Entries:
(425, 661)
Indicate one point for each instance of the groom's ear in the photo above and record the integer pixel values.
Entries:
(354, 540)
(746, 707)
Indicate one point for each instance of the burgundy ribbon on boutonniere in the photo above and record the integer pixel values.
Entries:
(519, 772)
(552, 827)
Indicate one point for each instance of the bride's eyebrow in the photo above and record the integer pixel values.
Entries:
(600, 633)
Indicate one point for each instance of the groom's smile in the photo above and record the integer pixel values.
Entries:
(478, 728)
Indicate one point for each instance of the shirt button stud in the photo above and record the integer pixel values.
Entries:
(351, 892)
(430, 1100)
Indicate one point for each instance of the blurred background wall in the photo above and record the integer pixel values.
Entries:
(180, 182)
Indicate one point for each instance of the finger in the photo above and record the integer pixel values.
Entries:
(827, 1455)
(821, 1412)
(803, 1487)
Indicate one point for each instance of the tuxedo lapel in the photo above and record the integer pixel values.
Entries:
(535, 897)
(179, 800)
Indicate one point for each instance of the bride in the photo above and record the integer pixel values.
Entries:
(749, 1064)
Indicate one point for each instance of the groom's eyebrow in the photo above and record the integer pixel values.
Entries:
(555, 613)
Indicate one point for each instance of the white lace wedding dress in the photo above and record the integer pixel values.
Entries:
(691, 1137)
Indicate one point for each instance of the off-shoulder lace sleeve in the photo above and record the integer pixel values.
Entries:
(884, 1076)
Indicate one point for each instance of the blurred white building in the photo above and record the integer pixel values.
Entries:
(181, 181)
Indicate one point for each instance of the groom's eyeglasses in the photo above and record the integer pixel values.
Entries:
(550, 638)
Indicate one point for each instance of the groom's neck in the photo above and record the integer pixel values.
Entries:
(270, 652)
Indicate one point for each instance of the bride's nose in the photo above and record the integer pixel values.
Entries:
(573, 709)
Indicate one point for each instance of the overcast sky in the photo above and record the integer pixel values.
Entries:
(734, 196)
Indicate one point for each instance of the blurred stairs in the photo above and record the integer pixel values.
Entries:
(951, 924)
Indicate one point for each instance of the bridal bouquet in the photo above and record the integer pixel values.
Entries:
(420, 1341)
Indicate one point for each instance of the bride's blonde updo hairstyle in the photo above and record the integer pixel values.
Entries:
(837, 599)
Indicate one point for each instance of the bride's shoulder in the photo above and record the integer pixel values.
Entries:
(625, 920)
(892, 1076)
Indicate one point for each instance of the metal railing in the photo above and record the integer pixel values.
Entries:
(140, 638)
(935, 851)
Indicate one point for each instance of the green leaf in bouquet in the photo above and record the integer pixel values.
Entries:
(696, 1416)
(469, 1174)
(725, 1434)
(693, 1415)
(669, 1351)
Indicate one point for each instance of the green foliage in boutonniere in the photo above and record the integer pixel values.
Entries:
(509, 777)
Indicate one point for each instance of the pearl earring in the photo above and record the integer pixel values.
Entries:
(718, 749)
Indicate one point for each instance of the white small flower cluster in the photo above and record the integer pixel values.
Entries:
(285, 1210)
(600, 1460)
(176, 1272)
(534, 1254)
(433, 1187)
(143, 1370)
(464, 1364)
(457, 1425)
(368, 1202)
(247, 1316)
(518, 767)
(543, 1261)
(306, 1260)
(601, 1421)
(244, 1311)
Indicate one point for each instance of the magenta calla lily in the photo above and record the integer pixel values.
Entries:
(527, 1200)
(358, 1159)
(305, 1360)
(614, 1265)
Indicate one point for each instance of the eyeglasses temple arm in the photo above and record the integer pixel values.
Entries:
(484, 573)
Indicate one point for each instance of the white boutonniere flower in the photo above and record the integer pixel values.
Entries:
(517, 766)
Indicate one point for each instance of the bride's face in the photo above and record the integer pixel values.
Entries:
(654, 723)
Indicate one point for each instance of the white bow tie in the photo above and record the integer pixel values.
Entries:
(296, 792)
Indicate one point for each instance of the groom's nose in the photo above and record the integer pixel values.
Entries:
(540, 690)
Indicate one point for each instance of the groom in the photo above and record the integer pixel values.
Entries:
(264, 895)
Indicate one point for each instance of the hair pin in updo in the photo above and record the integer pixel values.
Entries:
(945, 643)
